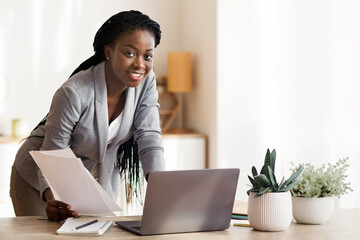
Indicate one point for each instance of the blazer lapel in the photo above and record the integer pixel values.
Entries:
(127, 119)
(101, 110)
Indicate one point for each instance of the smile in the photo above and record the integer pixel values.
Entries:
(135, 75)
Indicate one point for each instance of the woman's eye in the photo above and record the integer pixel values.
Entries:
(148, 57)
(130, 54)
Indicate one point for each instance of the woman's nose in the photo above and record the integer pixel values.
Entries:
(139, 62)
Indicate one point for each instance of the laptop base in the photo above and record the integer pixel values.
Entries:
(131, 226)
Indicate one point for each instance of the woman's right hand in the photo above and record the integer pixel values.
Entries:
(57, 210)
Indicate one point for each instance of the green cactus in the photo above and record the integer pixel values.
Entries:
(265, 182)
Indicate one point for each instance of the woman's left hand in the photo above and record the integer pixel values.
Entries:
(57, 210)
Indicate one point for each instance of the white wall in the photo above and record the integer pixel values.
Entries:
(287, 78)
(198, 35)
(42, 42)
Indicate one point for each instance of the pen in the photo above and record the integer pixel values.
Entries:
(85, 225)
(242, 225)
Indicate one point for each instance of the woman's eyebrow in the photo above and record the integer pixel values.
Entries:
(129, 45)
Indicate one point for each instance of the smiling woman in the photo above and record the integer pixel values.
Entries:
(129, 61)
(106, 112)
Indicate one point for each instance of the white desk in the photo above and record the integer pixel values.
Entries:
(8, 149)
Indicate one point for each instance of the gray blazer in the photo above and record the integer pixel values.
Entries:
(78, 118)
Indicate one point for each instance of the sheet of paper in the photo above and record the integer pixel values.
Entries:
(72, 183)
(67, 152)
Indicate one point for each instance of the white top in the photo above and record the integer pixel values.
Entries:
(113, 130)
(114, 127)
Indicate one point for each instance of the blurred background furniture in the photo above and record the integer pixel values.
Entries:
(172, 87)
(8, 148)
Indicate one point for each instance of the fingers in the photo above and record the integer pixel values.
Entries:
(58, 204)
(57, 210)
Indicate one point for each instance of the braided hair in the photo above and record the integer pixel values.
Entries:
(112, 28)
(127, 157)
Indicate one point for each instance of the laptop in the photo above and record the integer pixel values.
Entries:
(186, 201)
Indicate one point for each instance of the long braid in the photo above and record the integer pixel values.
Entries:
(128, 159)
(130, 170)
(91, 61)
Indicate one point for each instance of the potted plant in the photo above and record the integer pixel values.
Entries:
(269, 205)
(313, 198)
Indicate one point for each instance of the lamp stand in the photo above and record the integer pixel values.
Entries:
(180, 129)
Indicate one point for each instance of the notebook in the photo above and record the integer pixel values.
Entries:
(97, 229)
(186, 201)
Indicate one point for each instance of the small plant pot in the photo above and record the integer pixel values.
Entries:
(312, 210)
(270, 211)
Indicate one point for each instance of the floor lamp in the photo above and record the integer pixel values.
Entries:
(179, 82)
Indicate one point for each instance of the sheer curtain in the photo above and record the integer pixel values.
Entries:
(288, 79)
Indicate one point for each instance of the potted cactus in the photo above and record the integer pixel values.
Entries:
(269, 204)
(313, 198)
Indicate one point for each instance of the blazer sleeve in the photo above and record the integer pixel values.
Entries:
(147, 131)
(64, 114)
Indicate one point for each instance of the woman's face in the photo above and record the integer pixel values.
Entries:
(130, 58)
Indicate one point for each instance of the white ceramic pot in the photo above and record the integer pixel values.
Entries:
(312, 210)
(271, 211)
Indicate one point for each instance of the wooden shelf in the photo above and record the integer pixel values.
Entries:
(185, 135)
(166, 112)
(165, 94)
(9, 139)
(169, 107)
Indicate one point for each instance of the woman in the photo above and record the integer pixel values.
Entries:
(110, 98)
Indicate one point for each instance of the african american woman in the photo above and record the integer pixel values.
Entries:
(105, 111)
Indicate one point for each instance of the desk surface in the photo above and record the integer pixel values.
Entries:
(343, 225)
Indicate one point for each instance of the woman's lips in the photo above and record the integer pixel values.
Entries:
(136, 76)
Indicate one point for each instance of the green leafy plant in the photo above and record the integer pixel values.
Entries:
(325, 181)
(265, 182)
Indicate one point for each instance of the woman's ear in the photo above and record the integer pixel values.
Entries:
(107, 52)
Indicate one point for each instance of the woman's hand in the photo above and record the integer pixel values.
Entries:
(57, 210)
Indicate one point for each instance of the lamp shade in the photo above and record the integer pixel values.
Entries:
(179, 72)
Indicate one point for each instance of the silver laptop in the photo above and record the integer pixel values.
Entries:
(186, 201)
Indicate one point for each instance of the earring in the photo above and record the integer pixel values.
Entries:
(107, 58)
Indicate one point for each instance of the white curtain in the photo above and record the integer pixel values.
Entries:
(288, 78)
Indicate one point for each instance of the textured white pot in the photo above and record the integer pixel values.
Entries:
(271, 211)
(312, 210)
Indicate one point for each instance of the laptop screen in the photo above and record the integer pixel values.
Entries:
(189, 200)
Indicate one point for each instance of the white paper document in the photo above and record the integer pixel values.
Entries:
(72, 183)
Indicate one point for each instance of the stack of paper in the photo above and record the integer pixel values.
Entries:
(239, 210)
(97, 228)
(239, 215)
(73, 184)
